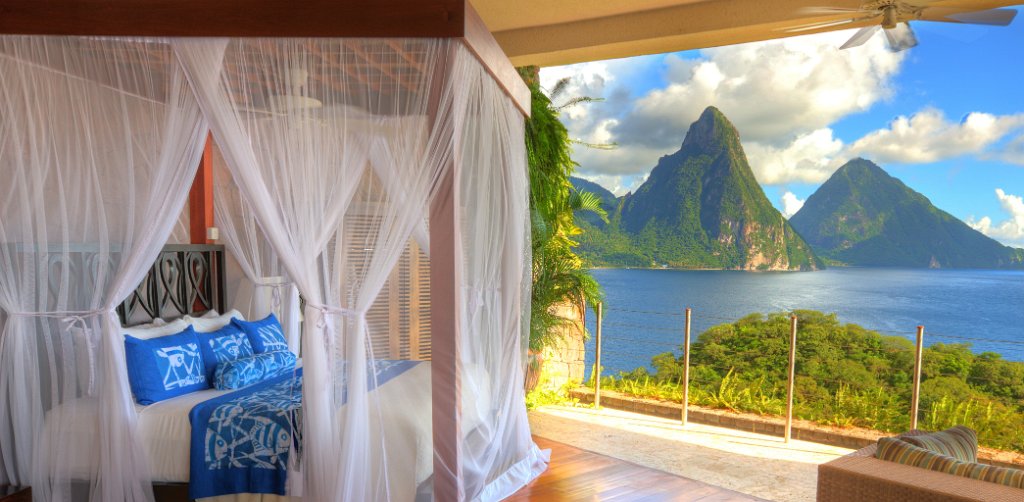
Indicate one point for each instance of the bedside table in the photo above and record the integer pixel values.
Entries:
(15, 494)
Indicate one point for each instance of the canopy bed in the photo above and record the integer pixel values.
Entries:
(371, 185)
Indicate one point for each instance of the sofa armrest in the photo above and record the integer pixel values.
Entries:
(858, 477)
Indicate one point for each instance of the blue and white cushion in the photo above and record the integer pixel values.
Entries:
(250, 370)
(226, 344)
(265, 335)
(165, 367)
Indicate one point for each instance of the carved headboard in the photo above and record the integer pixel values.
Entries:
(187, 279)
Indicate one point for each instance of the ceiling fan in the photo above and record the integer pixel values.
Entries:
(283, 103)
(894, 17)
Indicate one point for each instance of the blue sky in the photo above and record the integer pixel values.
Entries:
(946, 117)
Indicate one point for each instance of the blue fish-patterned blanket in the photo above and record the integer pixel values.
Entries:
(241, 441)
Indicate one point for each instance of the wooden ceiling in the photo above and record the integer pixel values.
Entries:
(549, 33)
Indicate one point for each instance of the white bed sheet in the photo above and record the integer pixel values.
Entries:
(164, 428)
(167, 433)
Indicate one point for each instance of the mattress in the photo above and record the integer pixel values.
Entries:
(164, 429)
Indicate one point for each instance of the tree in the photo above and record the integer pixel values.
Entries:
(559, 276)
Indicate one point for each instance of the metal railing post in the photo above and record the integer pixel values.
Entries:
(917, 377)
(792, 377)
(686, 366)
(597, 359)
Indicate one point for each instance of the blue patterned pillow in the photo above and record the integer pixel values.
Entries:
(225, 344)
(165, 367)
(250, 370)
(265, 335)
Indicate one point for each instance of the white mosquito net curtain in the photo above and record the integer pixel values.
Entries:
(333, 152)
(99, 144)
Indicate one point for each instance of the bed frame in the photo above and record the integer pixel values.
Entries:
(186, 279)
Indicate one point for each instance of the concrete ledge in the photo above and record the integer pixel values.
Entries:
(853, 438)
(771, 426)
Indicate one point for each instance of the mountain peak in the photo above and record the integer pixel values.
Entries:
(860, 166)
(710, 129)
(863, 216)
(702, 207)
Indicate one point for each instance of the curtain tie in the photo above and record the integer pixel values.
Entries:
(275, 292)
(326, 310)
(72, 319)
(69, 318)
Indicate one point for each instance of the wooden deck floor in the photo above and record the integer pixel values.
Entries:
(576, 474)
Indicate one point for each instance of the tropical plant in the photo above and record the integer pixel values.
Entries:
(559, 276)
(846, 375)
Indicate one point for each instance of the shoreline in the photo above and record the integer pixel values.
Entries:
(829, 267)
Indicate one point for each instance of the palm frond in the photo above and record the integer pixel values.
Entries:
(559, 88)
(581, 200)
(576, 101)
(596, 146)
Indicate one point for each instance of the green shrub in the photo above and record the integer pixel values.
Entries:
(845, 376)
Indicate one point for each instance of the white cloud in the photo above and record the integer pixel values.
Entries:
(928, 136)
(584, 79)
(782, 95)
(772, 91)
(809, 158)
(791, 204)
(1009, 231)
(1013, 152)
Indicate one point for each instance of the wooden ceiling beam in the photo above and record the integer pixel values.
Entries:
(269, 18)
(481, 43)
(234, 18)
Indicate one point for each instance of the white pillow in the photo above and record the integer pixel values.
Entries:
(87, 349)
(209, 324)
(154, 330)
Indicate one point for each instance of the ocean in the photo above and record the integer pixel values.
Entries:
(643, 308)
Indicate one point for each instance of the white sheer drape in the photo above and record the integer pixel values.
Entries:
(498, 456)
(269, 290)
(99, 143)
(299, 145)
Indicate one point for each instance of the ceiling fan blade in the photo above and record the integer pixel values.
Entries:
(860, 37)
(826, 11)
(827, 24)
(901, 37)
(815, 26)
(993, 17)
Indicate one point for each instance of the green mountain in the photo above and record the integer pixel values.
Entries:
(863, 216)
(700, 208)
(608, 200)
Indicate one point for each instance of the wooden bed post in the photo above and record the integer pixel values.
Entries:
(444, 367)
(200, 198)
(445, 277)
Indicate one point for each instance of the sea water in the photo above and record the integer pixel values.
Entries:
(981, 307)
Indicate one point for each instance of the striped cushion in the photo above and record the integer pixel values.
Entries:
(990, 473)
(958, 442)
(898, 450)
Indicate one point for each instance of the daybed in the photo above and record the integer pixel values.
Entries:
(860, 476)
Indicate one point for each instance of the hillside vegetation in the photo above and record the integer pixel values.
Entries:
(863, 216)
(846, 376)
(701, 207)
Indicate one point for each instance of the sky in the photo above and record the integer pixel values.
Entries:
(945, 117)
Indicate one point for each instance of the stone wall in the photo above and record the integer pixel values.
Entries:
(564, 362)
